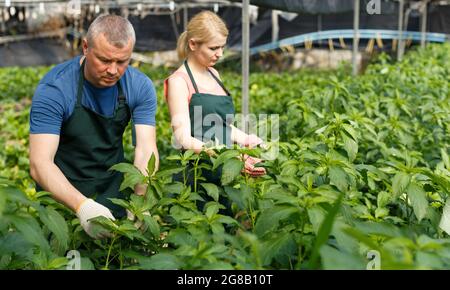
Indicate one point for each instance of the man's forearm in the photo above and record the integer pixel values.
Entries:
(51, 179)
(141, 159)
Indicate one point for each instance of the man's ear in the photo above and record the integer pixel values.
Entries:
(85, 46)
(192, 44)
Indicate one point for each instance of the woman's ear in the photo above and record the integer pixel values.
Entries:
(192, 44)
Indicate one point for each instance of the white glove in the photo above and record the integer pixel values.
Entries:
(90, 209)
(444, 224)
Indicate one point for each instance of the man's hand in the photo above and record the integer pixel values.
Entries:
(90, 209)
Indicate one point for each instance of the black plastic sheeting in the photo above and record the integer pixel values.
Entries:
(305, 6)
(34, 52)
(159, 32)
(261, 33)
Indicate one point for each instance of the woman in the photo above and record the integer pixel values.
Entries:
(200, 106)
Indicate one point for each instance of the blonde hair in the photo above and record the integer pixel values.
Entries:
(202, 28)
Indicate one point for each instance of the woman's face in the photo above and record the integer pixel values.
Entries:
(208, 53)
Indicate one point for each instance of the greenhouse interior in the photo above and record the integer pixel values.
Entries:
(225, 135)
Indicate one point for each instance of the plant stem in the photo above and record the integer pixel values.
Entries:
(195, 173)
(109, 252)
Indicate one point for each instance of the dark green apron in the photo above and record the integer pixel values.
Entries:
(211, 117)
(89, 145)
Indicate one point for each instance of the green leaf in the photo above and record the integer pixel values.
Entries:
(153, 225)
(16, 195)
(316, 216)
(381, 212)
(180, 214)
(56, 224)
(377, 228)
(333, 259)
(231, 169)
(120, 202)
(212, 208)
(444, 223)
(226, 220)
(168, 172)
(151, 165)
(400, 183)
(188, 154)
(338, 177)
(224, 157)
(350, 146)
(280, 247)
(325, 230)
(349, 129)
(57, 263)
(160, 262)
(86, 264)
(383, 199)
(31, 231)
(101, 225)
(180, 237)
(290, 180)
(212, 190)
(269, 219)
(126, 168)
(2, 204)
(236, 196)
(130, 180)
(418, 199)
(445, 158)
(14, 242)
(429, 260)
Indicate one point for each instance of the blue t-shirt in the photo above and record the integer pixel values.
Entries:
(56, 94)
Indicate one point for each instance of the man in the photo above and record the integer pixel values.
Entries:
(79, 112)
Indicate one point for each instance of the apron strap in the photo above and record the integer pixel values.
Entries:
(219, 82)
(191, 76)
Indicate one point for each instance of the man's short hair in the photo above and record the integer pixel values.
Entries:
(116, 29)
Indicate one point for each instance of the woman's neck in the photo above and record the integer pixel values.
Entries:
(196, 67)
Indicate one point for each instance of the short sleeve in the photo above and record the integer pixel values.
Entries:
(144, 110)
(47, 110)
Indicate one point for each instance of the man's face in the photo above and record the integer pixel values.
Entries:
(105, 63)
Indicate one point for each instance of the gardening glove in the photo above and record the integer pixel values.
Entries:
(444, 224)
(249, 166)
(90, 209)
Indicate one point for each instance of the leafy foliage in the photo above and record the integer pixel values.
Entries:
(362, 165)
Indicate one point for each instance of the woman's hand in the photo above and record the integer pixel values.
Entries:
(249, 166)
(252, 141)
